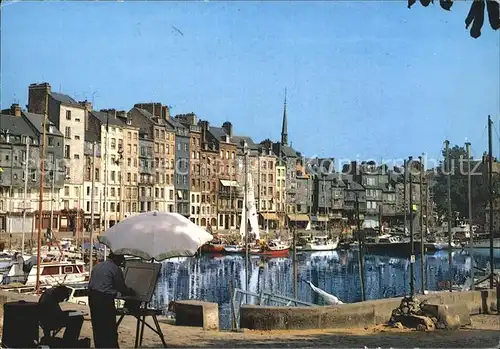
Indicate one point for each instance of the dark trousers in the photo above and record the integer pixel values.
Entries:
(103, 316)
(73, 327)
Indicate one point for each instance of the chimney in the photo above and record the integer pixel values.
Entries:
(228, 127)
(354, 170)
(15, 110)
(165, 112)
(36, 97)
(86, 104)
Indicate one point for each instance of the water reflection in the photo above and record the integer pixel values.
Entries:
(337, 272)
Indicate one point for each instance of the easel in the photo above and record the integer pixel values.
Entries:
(141, 314)
(143, 311)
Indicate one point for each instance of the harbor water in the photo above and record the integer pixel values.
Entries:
(208, 277)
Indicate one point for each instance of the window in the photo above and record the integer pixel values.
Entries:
(67, 132)
(113, 143)
(66, 191)
(51, 141)
(68, 114)
(66, 151)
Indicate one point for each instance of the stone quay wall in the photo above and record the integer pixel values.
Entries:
(354, 315)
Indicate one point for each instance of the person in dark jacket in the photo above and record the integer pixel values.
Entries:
(105, 284)
(54, 318)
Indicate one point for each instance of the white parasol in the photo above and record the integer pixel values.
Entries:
(155, 235)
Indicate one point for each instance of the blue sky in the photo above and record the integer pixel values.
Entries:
(365, 79)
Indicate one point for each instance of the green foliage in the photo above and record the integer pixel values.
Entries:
(459, 185)
(475, 17)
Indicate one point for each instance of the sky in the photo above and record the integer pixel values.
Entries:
(364, 79)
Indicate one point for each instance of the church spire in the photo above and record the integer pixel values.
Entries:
(284, 128)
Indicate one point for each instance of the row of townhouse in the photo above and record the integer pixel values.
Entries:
(145, 159)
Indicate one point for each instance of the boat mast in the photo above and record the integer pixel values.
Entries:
(360, 252)
(422, 249)
(245, 154)
(469, 192)
(40, 202)
(490, 185)
(405, 206)
(448, 165)
(26, 173)
(412, 255)
(92, 189)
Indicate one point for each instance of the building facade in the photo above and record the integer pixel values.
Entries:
(190, 122)
(69, 117)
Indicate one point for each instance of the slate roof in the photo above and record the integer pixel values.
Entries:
(92, 136)
(354, 185)
(251, 144)
(36, 120)
(174, 124)
(103, 117)
(289, 151)
(168, 124)
(218, 132)
(335, 177)
(64, 98)
(17, 126)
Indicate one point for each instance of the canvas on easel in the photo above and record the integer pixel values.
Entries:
(142, 278)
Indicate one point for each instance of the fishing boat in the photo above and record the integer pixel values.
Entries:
(437, 244)
(321, 243)
(387, 244)
(274, 248)
(213, 248)
(234, 248)
(51, 273)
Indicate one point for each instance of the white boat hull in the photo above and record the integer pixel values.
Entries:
(326, 247)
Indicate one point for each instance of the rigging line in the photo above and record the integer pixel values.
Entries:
(498, 136)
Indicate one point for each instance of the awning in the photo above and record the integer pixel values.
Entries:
(227, 183)
(298, 217)
(269, 216)
(321, 218)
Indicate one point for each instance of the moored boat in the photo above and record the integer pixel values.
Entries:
(274, 248)
(233, 249)
(321, 243)
(51, 273)
(388, 244)
(212, 248)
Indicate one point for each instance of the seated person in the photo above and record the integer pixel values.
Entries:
(52, 317)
